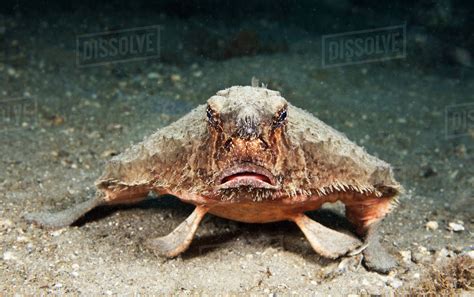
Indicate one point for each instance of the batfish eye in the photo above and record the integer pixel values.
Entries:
(280, 119)
(282, 116)
(211, 117)
(209, 113)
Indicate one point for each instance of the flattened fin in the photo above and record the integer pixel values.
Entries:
(180, 238)
(376, 257)
(333, 162)
(56, 220)
(326, 242)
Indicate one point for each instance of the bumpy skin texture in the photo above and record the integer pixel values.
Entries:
(249, 155)
(310, 162)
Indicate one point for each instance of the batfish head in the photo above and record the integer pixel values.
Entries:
(247, 130)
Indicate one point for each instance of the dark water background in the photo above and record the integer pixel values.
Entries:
(435, 28)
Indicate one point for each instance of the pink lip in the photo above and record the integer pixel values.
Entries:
(249, 175)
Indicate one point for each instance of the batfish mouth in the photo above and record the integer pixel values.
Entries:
(247, 175)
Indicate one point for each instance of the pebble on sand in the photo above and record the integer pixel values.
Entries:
(406, 255)
(10, 256)
(431, 225)
(175, 77)
(153, 75)
(394, 283)
(470, 254)
(109, 153)
(5, 223)
(455, 227)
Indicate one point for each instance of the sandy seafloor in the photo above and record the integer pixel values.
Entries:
(395, 109)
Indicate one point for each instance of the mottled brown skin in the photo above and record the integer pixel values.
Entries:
(249, 155)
